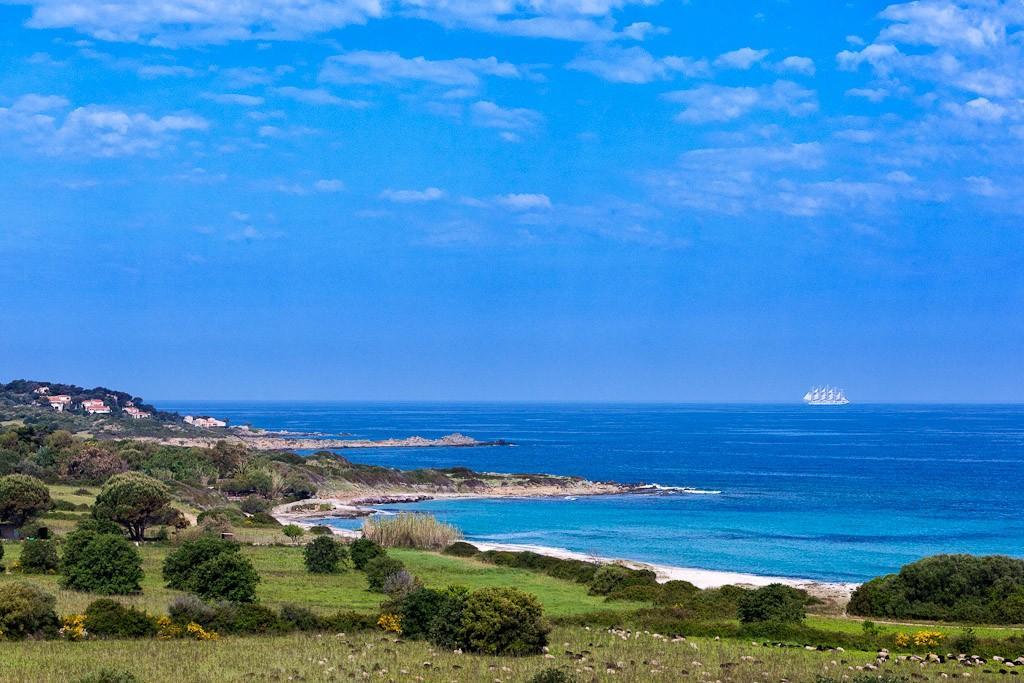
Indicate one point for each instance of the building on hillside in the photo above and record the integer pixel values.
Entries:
(95, 406)
(204, 421)
(60, 403)
(42, 391)
(135, 413)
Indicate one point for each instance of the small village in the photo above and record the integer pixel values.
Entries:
(95, 406)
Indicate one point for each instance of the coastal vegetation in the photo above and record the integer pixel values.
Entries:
(128, 549)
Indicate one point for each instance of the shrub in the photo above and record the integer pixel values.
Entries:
(133, 500)
(965, 642)
(21, 498)
(101, 563)
(38, 556)
(229, 576)
(324, 555)
(188, 609)
(27, 612)
(181, 563)
(947, 588)
(110, 619)
(253, 504)
(774, 603)
(298, 618)
(363, 550)
(237, 617)
(429, 613)
(553, 676)
(461, 549)
(379, 569)
(110, 676)
(503, 621)
(264, 519)
(347, 621)
(321, 530)
(400, 583)
(612, 577)
(410, 530)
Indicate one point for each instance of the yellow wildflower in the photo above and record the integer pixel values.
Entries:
(390, 622)
(194, 630)
(72, 627)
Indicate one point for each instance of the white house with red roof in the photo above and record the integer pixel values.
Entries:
(135, 413)
(59, 402)
(95, 406)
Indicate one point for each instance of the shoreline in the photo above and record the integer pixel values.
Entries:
(354, 507)
(276, 442)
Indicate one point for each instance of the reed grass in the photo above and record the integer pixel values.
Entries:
(411, 530)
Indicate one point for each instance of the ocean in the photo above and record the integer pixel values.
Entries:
(828, 493)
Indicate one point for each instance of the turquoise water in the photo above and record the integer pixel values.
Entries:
(839, 494)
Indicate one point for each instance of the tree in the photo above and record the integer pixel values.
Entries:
(179, 565)
(293, 531)
(229, 576)
(774, 603)
(133, 500)
(101, 563)
(324, 555)
(21, 498)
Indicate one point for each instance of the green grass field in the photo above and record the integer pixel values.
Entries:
(285, 580)
(377, 657)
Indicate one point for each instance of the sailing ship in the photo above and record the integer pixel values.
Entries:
(825, 396)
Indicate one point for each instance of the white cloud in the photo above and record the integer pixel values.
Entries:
(870, 94)
(717, 103)
(742, 59)
(317, 96)
(490, 115)
(982, 186)
(641, 29)
(430, 194)
(524, 202)
(945, 23)
(637, 65)
(901, 177)
(234, 98)
(364, 66)
(92, 130)
(795, 64)
(329, 185)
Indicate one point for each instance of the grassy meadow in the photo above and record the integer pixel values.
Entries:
(591, 655)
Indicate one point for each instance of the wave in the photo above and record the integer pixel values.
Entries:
(660, 488)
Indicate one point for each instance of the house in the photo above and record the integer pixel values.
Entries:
(94, 406)
(135, 413)
(42, 391)
(60, 402)
(198, 421)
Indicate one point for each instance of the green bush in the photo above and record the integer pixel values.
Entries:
(362, 551)
(379, 569)
(461, 549)
(182, 562)
(298, 618)
(293, 531)
(962, 588)
(229, 576)
(503, 621)
(422, 608)
(553, 676)
(110, 676)
(38, 556)
(612, 577)
(245, 618)
(101, 563)
(324, 555)
(348, 621)
(321, 530)
(27, 612)
(253, 504)
(108, 618)
(774, 603)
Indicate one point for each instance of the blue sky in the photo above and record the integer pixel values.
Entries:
(514, 199)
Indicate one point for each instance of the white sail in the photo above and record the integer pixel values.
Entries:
(826, 396)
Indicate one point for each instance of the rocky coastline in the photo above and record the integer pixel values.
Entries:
(266, 442)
